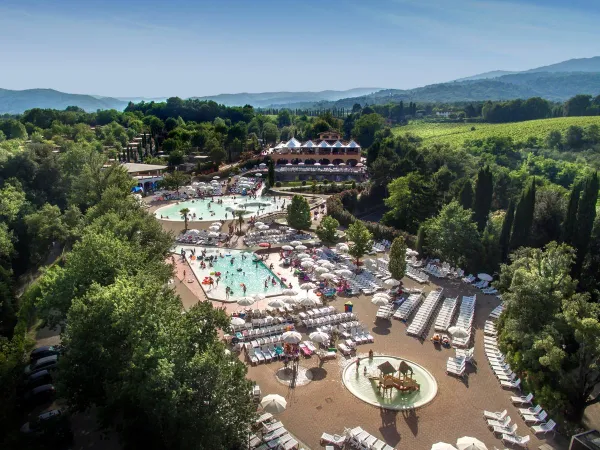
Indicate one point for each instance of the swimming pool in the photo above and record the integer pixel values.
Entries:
(219, 211)
(244, 269)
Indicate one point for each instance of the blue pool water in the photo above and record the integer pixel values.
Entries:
(224, 211)
(243, 270)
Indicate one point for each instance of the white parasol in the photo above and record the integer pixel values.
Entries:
(391, 282)
(470, 443)
(307, 264)
(291, 337)
(245, 301)
(273, 403)
(379, 301)
(237, 321)
(319, 336)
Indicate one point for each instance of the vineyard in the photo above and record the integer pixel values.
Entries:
(456, 134)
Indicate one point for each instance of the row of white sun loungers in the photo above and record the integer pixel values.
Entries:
(436, 271)
(362, 440)
(446, 314)
(421, 320)
(385, 312)
(266, 340)
(280, 238)
(464, 320)
(418, 275)
(457, 365)
(317, 312)
(407, 308)
(333, 319)
(274, 437)
(266, 331)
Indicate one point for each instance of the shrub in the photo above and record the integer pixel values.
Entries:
(304, 183)
(278, 184)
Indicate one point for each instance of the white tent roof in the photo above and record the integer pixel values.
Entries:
(309, 144)
(338, 144)
(353, 144)
(324, 144)
(293, 143)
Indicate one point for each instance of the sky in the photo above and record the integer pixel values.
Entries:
(152, 48)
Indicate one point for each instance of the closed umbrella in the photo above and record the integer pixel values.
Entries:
(301, 247)
(319, 336)
(442, 446)
(276, 303)
(237, 321)
(470, 443)
(289, 292)
(245, 301)
(391, 282)
(379, 301)
(273, 404)
(458, 332)
(291, 337)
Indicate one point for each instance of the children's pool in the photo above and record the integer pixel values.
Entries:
(367, 389)
(211, 210)
(243, 269)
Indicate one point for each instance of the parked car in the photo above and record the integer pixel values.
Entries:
(40, 395)
(42, 363)
(46, 350)
(36, 379)
(51, 427)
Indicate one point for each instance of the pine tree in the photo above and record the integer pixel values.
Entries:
(523, 218)
(504, 239)
(466, 196)
(271, 174)
(484, 190)
(586, 214)
(570, 222)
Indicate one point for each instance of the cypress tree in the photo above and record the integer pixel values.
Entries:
(523, 218)
(484, 190)
(271, 174)
(466, 196)
(420, 240)
(586, 214)
(504, 239)
(570, 222)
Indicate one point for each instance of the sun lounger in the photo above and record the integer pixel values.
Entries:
(254, 441)
(522, 400)
(516, 440)
(334, 439)
(263, 418)
(535, 418)
(267, 428)
(505, 430)
(495, 415)
(545, 427)
(499, 423)
(344, 349)
(281, 440)
(274, 434)
(511, 384)
(289, 445)
(304, 349)
(530, 411)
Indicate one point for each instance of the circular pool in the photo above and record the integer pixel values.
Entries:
(209, 210)
(365, 387)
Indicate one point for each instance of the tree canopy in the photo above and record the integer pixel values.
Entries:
(298, 213)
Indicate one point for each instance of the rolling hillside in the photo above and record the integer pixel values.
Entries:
(456, 134)
(16, 102)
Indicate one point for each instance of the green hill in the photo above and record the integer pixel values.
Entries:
(456, 134)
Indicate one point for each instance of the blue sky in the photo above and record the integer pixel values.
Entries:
(196, 47)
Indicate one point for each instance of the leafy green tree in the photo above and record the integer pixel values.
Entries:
(175, 158)
(361, 240)
(184, 215)
(574, 137)
(174, 181)
(554, 139)
(466, 195)
(45, 226)
(298, 213)
(12, 201)
(586, 214)
(270, 133)
(569, 226)
(578, 105)
(327, 229)
(215, 151)
(452, 235)
(484, 191)
(523, 218)
(549, 332)
(397, 265)
(284, 118)
(504, 239)
(149, 358)
(365, 128)
(271, 173)
(412, 200)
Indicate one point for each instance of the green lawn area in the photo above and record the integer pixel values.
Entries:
(456, 134)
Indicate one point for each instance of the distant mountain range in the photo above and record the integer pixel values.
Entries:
(556, 82)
